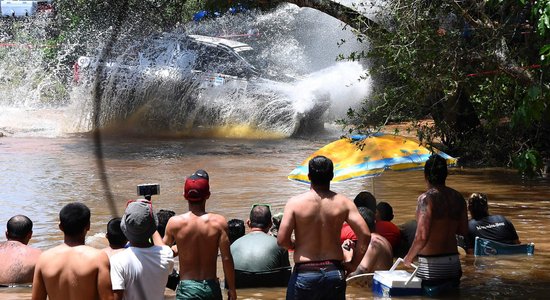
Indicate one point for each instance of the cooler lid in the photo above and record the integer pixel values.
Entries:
(397, 278)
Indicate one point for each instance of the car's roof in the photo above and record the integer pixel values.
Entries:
(235, 45)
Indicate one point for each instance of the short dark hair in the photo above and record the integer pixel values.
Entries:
(321, 170)
(164, 215)
(115, 236)
(365, 199)
(18, 227)
(435, 170)
(260, 217)
(236, 229)
(477, 205)
(74, 218)
(368, 216)
(385, 211)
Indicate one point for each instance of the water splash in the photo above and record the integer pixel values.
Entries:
(296, 48)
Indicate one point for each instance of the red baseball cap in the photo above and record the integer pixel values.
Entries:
(196, 188)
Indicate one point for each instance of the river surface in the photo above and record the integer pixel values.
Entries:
(40, 175)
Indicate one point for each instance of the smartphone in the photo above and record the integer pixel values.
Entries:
(148, 189)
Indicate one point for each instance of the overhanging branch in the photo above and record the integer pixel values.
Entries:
(341, 12)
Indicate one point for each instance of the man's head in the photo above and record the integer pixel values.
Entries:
(321, 170)
(435, 170)
(368, 216)
(114, 235)
(477, 205)
(197, 187)
(384, 211)
(163, 216)
(74, 219)
(260, 217)
(236, 229)
(365, 199)
(19, 228)
(139, 222)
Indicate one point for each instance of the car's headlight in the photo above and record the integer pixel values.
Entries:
(83, 62)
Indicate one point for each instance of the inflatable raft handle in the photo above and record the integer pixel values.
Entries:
(400, 260)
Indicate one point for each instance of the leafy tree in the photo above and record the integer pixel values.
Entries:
(478, 69)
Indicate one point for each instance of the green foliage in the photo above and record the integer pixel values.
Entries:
(530, 109)
(474, 69)
(151, 14)
(541, 11)
(529, 163)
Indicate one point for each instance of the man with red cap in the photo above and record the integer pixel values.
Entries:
(199, 235)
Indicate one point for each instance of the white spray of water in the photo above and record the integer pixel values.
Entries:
(293, 43)
(339, 84)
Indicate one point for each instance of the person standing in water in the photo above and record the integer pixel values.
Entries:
(18, 258)
(72, 270)
(199, 235)
(440, 215)
(316, 218)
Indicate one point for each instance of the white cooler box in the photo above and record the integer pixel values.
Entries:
(396, 282)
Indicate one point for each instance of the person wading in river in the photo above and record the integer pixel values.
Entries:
(487, 226)
(199, 235)
(72, 270)
(316, 218)
(18, 259)
(441, 215)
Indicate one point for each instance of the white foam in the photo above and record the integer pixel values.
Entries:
(22, 122)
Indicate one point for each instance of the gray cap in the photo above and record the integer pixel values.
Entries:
(139, 221)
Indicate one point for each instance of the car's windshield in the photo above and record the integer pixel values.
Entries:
(220, 59)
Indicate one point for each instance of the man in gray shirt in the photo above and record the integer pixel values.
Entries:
(259, 261)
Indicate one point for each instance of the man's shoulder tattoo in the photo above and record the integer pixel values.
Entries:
(423, 203)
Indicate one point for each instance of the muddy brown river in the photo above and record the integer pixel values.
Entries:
(40, 175)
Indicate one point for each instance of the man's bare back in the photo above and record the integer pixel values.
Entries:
(310, 212)
(316, 219)
(440, 214)
(199, 235)
(18, 261)
(79, 272)
(446, 210)
(198, 238)
(379, 255)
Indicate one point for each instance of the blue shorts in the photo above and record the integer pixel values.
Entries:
(317, 280)
(199, 289)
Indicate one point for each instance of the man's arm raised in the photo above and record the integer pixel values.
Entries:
(227, 261)
(361, 230)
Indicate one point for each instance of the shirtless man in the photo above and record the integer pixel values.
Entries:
(199, 235)
(73, 270)
(440, 214)
(316, 218)
(379, 254)
(18, 259)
